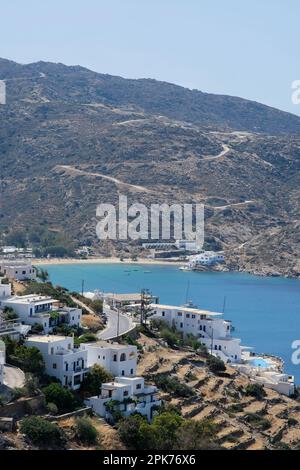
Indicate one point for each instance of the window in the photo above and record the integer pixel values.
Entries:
(52, 350)
(193, 316)
(123, 357)
(181, 325)
(162, 314)
(179, 314)
(139, 386)
(115, 358)
(123, 372)
(187, 315)
(131, 371)
(54, 366)
(125, 394)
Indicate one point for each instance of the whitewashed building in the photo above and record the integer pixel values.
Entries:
(2, 361)
(118, 359)
(43, 310)
(127, 395)
(206, 258)
(32, 309)
(17, 270)
(204, 325)
(62, 360)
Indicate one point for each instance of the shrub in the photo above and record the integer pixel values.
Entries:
(257, 421)
(172, 385)
(41, 431)
(172, 338)
(63, 398)
(86, 338)
(85, 431)
(29, 359)
(196, 435)
(236, 408)
(52, 408)
(255, 390)
(215, 364)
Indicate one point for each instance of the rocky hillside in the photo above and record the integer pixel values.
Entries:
(71, 138)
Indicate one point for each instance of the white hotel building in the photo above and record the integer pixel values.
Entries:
(210, 330)
(118, 359)
(62, 360)
(70, 364)
(39, 309)
(125, 394)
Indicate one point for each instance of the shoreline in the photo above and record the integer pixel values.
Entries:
(112, 260)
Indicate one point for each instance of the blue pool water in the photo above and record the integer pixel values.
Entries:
(264, 311)
(259, 363)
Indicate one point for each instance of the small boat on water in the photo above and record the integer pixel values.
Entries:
(147, 272)
(190, 304)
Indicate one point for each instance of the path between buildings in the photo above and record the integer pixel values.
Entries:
(13, 377)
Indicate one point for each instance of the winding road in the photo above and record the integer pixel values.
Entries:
(111, 330)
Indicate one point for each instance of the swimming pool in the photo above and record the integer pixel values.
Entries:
(259, 362)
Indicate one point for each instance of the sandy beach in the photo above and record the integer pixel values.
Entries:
(112, 260)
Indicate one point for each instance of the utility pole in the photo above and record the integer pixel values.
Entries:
(82, 287)
(118, 323)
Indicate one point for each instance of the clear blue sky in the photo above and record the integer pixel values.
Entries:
(248, 48)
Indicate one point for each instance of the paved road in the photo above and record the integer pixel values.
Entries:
(13, 377)
(111, 330)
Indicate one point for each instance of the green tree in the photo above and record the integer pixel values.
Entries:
(63, 398)
(130, 431)
(92, 382)
(164, 428)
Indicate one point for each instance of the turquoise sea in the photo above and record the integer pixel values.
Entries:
(265, 311)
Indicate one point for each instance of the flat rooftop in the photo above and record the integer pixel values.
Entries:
(31, 298)
(124, 297)
(106, 344)
(196, 311)
(15, 264)
(47, 338)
